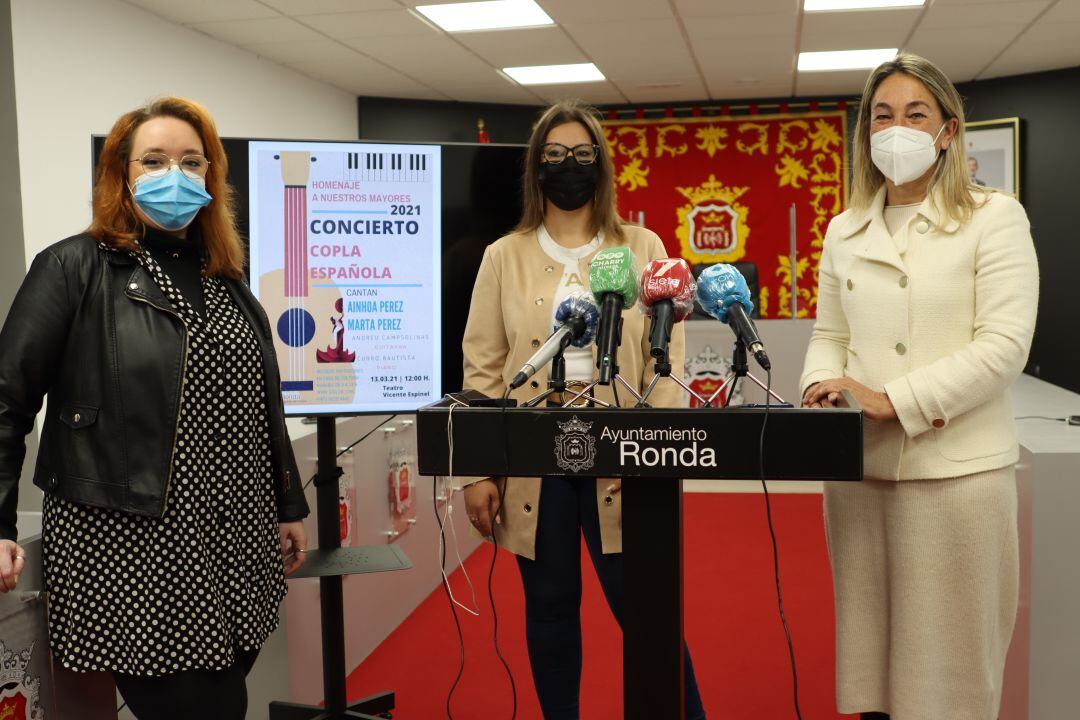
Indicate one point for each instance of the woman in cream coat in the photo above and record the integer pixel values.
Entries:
(569, 215)
(926, 308)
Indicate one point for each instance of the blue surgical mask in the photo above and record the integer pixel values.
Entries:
(170, 200)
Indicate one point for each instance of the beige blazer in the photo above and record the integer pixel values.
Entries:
(509, 318)
(943, 329)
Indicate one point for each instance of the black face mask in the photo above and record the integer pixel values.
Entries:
(569, 185)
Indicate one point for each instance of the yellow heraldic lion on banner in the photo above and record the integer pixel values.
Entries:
(713, 226)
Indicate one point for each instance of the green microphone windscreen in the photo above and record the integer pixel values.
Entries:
(614, 270)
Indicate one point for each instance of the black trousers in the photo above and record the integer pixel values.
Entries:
(552, 586)
(203, 694)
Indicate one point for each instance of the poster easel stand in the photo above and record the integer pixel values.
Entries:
(329, 563)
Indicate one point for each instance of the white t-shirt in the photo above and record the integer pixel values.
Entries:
(579, 361)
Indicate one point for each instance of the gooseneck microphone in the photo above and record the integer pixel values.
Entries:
(613, 279)
(576, 319)
(667, 296)
(722, 293)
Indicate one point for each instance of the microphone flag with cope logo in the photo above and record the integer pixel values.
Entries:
(719, 287)
(614, 270)
(668, 279)
(580, 304)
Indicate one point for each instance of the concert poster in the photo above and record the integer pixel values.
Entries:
(345, 258)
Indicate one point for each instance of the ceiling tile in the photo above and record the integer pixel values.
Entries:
(832, 23)
(865, 40)
(563, 11)
(1063, 11)
(844, 82)
(961, 55)
(689, 88)
(761, 59)
(377, 23)
(435, 58)
(714, 29)
(260, 31)
(514, 48)
(735, 91)
(1044, 47)
(196, 11)
(501, 91)
(964, 17)
(616, 48)
(314, 7)
(713, 8)
(597, 93)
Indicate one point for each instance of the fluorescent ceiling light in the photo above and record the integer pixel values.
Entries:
(552, 74)
(490, 15)
(833, 5)
(844, 59)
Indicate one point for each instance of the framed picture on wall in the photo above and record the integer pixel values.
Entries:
(993, 153)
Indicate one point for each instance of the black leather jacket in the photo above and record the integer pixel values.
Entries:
(90, 328)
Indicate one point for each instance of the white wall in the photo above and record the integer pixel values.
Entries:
(80, 64)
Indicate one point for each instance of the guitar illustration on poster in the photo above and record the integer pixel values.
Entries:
(346, 260)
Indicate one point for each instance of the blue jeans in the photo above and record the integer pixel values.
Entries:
(553, 596)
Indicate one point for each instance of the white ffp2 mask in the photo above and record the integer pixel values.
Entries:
(903, 154)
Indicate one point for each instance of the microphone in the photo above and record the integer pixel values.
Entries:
(722, 293)
(612, 275)
(576, 320)
(667, 296)
(613, 279)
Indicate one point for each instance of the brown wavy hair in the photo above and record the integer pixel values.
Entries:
(116, 223)
(605, 213)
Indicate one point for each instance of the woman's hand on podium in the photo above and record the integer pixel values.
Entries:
(12, 562)
(293, 545)
(828, 393)
(482, 504)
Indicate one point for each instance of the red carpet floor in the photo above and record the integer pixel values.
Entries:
(732, 627)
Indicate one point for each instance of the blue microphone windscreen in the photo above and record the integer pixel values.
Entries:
(719, 287)
(579, 303)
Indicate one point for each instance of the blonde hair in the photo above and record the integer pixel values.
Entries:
(605, 214)
(950, 183)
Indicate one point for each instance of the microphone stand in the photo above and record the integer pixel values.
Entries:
(556, 381)
(740, 368)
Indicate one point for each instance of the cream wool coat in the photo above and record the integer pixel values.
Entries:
(509, 318)
(943, 331)
(925, 571)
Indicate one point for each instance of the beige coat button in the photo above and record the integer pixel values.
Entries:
(608, 500)
(903, 281)
(528, 508)
(900, 349)
(535, 343)
(922, 227)
(549, 268)
(850, 285)
(539, 301)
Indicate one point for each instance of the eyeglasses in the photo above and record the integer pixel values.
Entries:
(156, 164)
(555, 153)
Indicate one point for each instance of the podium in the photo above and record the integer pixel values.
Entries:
(653, 450)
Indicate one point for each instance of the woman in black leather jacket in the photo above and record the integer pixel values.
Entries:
(173, 505)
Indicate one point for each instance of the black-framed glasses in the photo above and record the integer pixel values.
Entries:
(555, 153)
(156, 164)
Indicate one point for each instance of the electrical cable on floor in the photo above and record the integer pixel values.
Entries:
(775, 549)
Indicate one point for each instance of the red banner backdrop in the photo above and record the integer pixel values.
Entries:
(720, 189)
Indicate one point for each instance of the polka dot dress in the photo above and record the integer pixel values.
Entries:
(153, 596)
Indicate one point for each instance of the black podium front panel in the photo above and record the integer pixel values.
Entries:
(800, 444)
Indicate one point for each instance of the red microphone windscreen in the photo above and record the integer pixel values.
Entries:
(668, 279)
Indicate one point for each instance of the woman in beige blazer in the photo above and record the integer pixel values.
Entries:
(926, 308)
(569, 215)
